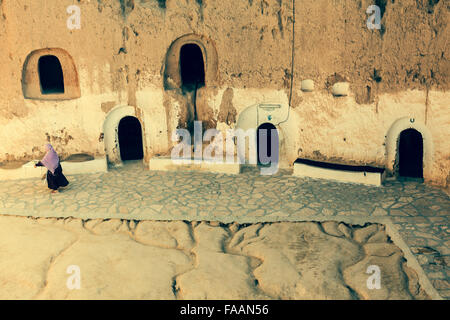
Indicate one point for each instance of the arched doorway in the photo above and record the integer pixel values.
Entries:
(393, 143)
(190, 69)
(50, 74)
(130, 139)
(410, 154)
(199, 47)
(267, 144)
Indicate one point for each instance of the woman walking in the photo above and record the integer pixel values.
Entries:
(55, 177)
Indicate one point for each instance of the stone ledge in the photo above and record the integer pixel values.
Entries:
(167, 164)
(361, 177)
(28, 171)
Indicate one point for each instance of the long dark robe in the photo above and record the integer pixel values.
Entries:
(55, 180)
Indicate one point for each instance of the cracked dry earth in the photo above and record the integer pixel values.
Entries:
(123, 259)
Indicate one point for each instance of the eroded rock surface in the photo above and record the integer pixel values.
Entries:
(299, 261)
(122, 259)
(217, 274)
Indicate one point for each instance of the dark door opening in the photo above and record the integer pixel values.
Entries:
(272, 149)
(192, 72)
(130, 139)
(410, 157)
(50, 75)
(192, 67)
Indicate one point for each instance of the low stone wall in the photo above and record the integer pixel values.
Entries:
(167, 164)
(363, 177)
(28, 171)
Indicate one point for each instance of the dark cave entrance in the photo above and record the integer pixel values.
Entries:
(50, 75)
(192, 67)
(130, 139)
(192, 72)
(410, 154)
(264, 135)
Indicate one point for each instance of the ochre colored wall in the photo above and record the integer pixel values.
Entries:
(120, 55)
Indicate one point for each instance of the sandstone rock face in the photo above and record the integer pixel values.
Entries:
(299, 261)
(331, 228)
(393, 282)
(113, 267)
(253, 51)
(120, 259)
(361, 235)
(217, 274)
(27, 251)
(175, 234)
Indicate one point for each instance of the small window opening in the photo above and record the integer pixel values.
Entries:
(50, 75)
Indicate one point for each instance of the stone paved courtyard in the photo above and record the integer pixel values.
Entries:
(416, 215)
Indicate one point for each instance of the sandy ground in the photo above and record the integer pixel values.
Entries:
(45, 258)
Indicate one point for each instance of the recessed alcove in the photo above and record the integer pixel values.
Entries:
(50, 74)
(51, 77)
(197, 49)
(192, 69)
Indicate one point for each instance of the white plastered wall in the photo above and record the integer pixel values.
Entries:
(253, 116)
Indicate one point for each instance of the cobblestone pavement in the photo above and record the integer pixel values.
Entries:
(420, 213)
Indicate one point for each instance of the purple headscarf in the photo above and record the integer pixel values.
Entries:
(51, 159)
